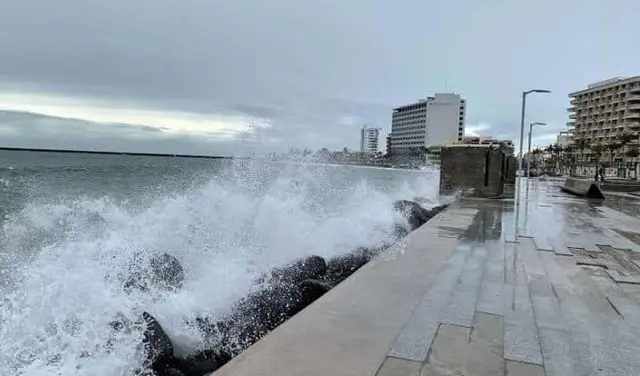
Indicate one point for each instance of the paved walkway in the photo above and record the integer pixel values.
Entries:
(474, 293)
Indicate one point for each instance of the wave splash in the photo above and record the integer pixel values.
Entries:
(62, 263)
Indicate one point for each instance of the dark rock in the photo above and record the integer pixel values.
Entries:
(175, 372)
(312, 289)
(198, 365)
(312, 267)
(341, 267)
(157, 345)
(400, 231)
(164, 271)
(416, 214)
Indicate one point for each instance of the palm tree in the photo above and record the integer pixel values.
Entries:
(569, 158)
(560, 152)
(624, 140)
(581, 145)
(597, 150)
(612, 146)
(633, 152)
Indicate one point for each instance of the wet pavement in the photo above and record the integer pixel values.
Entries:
(545, 285)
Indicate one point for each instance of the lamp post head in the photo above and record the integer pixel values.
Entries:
(537, 91)
(538, 123)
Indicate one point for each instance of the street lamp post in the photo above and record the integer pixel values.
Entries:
(524, 104)
(518, 180)
(529, 147)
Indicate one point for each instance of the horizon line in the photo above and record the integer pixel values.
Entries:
(71, 151)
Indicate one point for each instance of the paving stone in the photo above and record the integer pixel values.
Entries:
(461, 305)
(558, 353)
(488, 332)
(563, 251)
(542, 243)
(524, 369)
(460, 351)
(417, 335)
(521, 334)
(539, 285)
(494, 266)
(531, 260)
(626, 308)
(399, 367)
(510, 263)
(622, 277)
(491, 298)
(556, 274)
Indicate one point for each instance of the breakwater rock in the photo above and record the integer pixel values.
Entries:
(280, 294)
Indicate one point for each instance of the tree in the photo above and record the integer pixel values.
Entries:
(624, 140)
(597, 151)
(581, 145)
(633, 152)
(569, 158)
(612, 146)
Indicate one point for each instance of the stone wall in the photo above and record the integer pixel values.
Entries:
(481, 168)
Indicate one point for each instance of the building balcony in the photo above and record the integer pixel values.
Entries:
(633, 106)
(632, 115)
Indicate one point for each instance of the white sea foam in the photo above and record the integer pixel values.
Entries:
(62, 262)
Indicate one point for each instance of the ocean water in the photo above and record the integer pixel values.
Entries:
(72, 225)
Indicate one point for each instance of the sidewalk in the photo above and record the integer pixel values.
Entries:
(470, 293)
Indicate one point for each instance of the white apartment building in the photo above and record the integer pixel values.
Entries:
(429, 122)
(605, 110)
(369, 140)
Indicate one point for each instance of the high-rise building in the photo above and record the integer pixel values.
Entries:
(369, 139)
(603, 112)
(429, 122)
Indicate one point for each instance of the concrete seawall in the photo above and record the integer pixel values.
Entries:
(474, 293)
(350, 330)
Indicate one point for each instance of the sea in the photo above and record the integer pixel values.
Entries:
(72, 224)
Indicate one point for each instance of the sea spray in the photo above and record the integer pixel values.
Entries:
(64, 260)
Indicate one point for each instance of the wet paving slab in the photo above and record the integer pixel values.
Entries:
(552, 280)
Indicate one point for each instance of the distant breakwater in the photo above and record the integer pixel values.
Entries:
(282, 293)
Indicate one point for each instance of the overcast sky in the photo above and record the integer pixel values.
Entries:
(235, 76)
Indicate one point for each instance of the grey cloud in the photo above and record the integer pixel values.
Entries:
(308, 66)
(37, 131)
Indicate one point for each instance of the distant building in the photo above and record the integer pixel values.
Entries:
(434, 152)
(432, 121)
(564, 139)
(369, 140)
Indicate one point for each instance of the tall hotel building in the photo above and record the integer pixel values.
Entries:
(429, 122)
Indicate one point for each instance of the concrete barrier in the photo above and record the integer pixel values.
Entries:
(582, 187)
